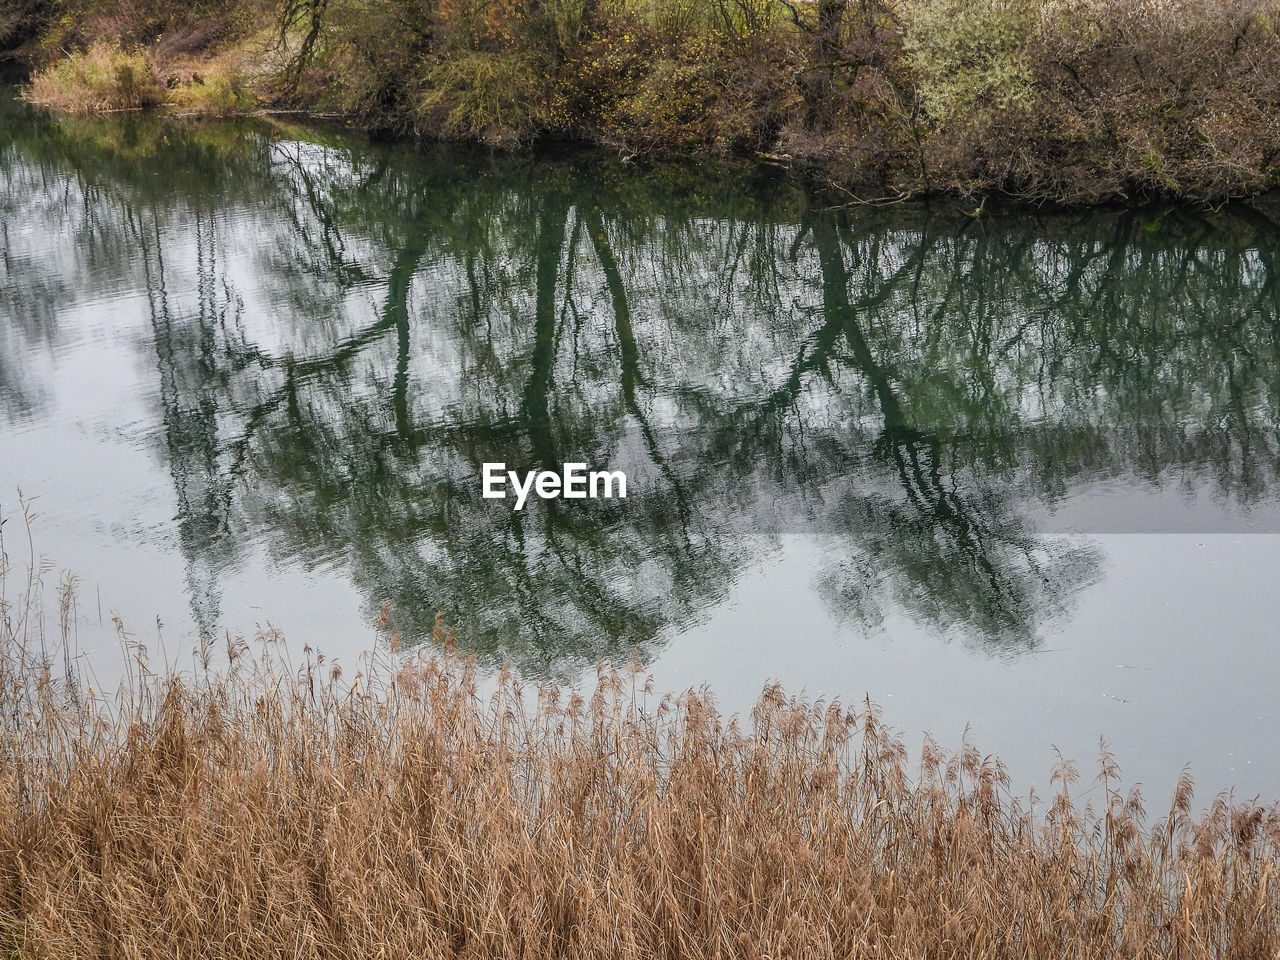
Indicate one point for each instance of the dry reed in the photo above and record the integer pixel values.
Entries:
(104, 77)
(261, 810)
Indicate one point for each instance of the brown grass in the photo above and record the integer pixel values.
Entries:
(256, 808)
(104, 77)
(260, 810)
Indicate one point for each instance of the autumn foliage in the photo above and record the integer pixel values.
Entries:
(1063, 100)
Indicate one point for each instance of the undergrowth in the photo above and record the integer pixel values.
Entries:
(1061, 100)
(103, 77)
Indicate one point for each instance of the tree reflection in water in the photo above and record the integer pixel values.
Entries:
(343, 334)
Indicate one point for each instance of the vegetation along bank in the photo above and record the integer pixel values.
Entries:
(1049, 100)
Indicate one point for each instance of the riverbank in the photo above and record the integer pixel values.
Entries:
(1072, 101)
(260, 808)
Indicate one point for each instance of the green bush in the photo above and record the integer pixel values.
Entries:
(492, 97)
(968, 56)
(218, 91)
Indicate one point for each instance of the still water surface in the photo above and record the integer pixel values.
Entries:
(1021, 473)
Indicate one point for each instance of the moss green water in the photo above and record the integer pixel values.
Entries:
(253, 371)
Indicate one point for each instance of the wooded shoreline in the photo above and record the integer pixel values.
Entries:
(1063, 101)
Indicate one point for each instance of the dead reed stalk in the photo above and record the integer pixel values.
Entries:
(259, 811)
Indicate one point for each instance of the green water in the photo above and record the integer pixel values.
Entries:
(252, 371)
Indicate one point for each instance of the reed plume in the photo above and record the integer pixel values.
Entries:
(261, 810)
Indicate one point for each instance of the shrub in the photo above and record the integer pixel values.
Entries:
(671, 105)
(104, 77)
(216, 91)
(1176, 98)
(968, 56)
(492, 97)
(1065, 100)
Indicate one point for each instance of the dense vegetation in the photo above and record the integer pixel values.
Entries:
(1046, 99)
(258, 810)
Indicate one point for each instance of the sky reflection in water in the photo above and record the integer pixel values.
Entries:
(252, 372)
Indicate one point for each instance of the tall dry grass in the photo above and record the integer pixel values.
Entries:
(104, 77)
(263, 810)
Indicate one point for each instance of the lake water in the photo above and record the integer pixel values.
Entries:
(1021, 473)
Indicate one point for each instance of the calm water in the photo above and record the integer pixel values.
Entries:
(1020, 473)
